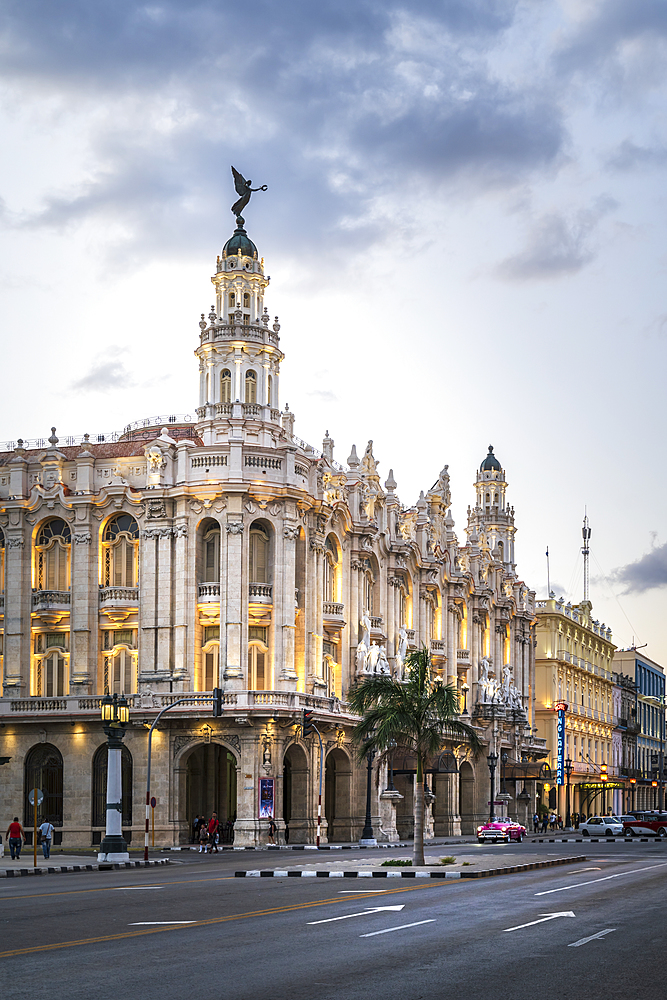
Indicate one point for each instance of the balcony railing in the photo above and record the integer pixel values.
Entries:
(376, 622)
(331, 609)
(43, 599)
(438, 645)
(463, 655)
(260, 593)
(208, 593)
(119, 596)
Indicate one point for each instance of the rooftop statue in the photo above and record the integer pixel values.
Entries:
(245, 190)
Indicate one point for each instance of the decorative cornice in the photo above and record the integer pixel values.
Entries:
(234, 527)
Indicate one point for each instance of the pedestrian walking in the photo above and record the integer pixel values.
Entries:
(545, 822)
(286, 832)
(213, 833)
(536, 823)
(16, 838)
(195, 829)
(203, 835)
(273, 829)
(46, 830)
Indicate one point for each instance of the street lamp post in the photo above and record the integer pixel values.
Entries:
(367, 837)
(115, 717)
(391, 747)
(464, 690)
(504, 757)
(492, 761)
(568, 771)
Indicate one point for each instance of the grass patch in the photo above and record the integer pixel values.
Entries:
(397, 863)
(449, 860)
(464, 863)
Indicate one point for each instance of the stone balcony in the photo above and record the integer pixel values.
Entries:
(438, 648)
(463, 656)
(118, 602)
(208, 593)
(51, 605)
(333, 610)
(260, 593)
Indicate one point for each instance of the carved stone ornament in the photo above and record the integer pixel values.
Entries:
(275, 508)
(235, 528)
(156, 533)
(83, 538)
(181, 741)
(15, 543)
(180, 531)
(292, 533)
(156, 509)
(250, 506)
(316, 545)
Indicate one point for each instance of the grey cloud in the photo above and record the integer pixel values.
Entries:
(325, 395)
(628, 156)
(605, 37)
(646, 573)
(557, 245)
(334, 105)
(105, 376)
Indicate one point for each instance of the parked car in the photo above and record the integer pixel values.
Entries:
(602, 826)
(502, 828)
(648, 824)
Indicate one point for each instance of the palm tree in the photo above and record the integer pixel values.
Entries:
(418, 715)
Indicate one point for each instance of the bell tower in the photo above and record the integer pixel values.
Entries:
(239, 353)
(491, 516)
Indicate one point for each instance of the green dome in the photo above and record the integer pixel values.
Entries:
(490, 463)
(239, 241)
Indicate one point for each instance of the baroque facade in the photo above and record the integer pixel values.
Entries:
(220, 549)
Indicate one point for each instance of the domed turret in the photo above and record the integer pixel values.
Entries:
(240, 241)
(490, 463)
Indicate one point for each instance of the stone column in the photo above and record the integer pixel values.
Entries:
(285, 614)
(452, 639)
(185, 601)
(164, 581)
(247, 826)
(147, 622)
(18, 607)
(235, 596)
(84, 607)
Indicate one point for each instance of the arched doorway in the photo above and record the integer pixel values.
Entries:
(337, 796)
(44, 770)
(467, 798)
(99, 792)
(211, 787)
(295, 794)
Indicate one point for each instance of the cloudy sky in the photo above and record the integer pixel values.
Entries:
(464, 225)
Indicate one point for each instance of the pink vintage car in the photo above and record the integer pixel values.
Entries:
(501, 828)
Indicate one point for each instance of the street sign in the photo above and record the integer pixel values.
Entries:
(153, 802)
(31, 796)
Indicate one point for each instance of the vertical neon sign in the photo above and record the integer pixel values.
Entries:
(561, 708)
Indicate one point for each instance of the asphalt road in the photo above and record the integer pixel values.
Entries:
(590, 930)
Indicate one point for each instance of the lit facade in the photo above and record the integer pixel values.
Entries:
(218, 549)
(647, 722)
(574, 668)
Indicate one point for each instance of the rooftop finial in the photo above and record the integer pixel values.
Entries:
(243, 187)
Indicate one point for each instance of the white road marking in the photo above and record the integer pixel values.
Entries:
(606, 878)
(593, 937)
(351, 892)
(390, 930)
(363, 913)
(155, 923)
(543, 918)
(580, 871)
(123, 888)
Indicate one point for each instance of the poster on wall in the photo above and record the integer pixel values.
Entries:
(266, 798)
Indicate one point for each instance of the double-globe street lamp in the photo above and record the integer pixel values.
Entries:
(492, 761)
(569, 765)
(115, 717)
(367, 838)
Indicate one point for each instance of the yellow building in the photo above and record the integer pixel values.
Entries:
(573, 670)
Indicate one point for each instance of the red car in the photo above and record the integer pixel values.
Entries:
(502, 828)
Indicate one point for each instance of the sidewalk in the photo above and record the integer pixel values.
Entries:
(60, 863)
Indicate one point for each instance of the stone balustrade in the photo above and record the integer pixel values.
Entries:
(463, 655)
(260, 593)
(50, 599)
(331, 609)
(208, 593)
(119, 596)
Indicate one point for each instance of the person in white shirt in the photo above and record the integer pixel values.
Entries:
(46, 830)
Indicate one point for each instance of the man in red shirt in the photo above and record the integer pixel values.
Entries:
(213, 830)
(16, 838)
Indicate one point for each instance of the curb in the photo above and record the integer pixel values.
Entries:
(258, 873)
(594, 840)
(64, 869)
(299, 847)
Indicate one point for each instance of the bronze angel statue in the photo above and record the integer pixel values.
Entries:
(243, 188)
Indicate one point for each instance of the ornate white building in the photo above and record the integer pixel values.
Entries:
(222, 550)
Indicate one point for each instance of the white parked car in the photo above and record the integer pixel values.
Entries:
(602, 826)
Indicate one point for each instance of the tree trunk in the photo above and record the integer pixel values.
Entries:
(418, 846)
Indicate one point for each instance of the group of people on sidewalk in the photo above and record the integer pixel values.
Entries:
(16, 838)
(210, 833)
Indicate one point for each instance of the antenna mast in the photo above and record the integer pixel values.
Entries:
(586, 534)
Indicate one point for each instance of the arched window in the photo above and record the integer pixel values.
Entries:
(258, 659)
(52, 555)
(250, 387)
(232, 300)
(120, 552)
(368, 591)
(99, 803)
(246, 300)
(269, 390)
(330, 570)
(225, 386)
(44, 770)
(259, 555)
(210, 658)
(211, 557)
(52, 676)
(120, 670)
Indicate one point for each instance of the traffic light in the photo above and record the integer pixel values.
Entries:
(217, 702)
(307, 724)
